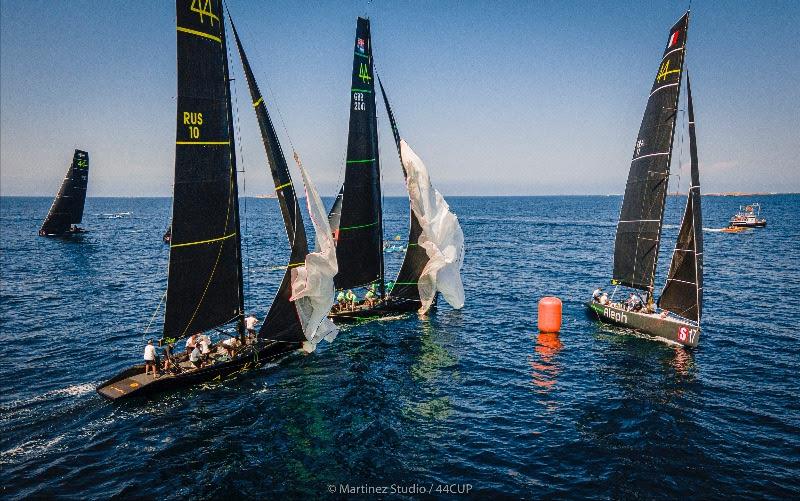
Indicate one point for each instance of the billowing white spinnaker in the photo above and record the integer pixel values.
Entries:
(441, 235)
(312, 283)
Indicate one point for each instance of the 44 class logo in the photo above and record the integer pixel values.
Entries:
(203, 7)
(363, 73)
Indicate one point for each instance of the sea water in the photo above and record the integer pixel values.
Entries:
(469, 402)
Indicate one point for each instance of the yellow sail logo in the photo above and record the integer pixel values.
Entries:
(664, 72)
(363, 73)
(204, 9)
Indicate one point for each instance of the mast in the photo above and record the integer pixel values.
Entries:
(67, 206)
(641, 217)
(683, 290)
(282, 319)
(238, 250)
(359, 248)
(204, 288)
(415, 259)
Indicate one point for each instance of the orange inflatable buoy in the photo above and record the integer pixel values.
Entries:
(549, 314)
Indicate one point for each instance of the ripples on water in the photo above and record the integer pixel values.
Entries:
(473, 396)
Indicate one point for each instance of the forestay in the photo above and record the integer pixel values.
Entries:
(441, 235)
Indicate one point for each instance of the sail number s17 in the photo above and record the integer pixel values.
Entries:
(358, 101)
(193, 120)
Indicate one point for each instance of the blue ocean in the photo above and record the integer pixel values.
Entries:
(467, 403)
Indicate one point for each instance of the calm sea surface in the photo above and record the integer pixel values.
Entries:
(475, 396)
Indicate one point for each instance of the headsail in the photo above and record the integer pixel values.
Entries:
(415, 259)
(441, 236)
(312, 283)
(282, 320)
(205, 268)
(359, 246)
(67, 207)
(641, 217)
(683, 292)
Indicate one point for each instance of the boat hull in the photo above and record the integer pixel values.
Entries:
(669, 328)
(745, 224)
(392, 306)
(68, 233)
(133, 383)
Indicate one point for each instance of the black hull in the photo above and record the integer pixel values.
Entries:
(392, 306)
(69, 233)
(132, 382)
(670, 328)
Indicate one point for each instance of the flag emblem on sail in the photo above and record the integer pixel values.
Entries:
(360, 45)
(673, 39)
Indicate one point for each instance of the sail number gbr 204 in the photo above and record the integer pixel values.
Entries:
(193, 120)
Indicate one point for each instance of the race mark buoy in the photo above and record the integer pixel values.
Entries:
(549, 314)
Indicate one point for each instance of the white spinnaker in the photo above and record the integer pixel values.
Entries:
(441, 235)
(312, 283)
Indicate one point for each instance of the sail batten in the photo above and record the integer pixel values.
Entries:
(356, 217)
(683, 291)
(641, 217)
(204, 288)
(67, 206)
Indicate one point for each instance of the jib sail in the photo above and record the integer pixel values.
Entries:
(683, 292)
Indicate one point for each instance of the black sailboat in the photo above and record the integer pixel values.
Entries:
(205, 283)
(66, 211)
(677, 314)
(356, 217)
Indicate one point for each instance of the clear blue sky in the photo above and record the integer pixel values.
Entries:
(529, 97)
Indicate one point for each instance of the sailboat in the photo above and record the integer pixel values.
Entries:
(435, 249)
(205, 282)
(676, 316)
(66, 211)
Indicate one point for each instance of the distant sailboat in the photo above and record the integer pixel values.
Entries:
(66, 211)
(205, 282)
(677, 317)
(435, 249)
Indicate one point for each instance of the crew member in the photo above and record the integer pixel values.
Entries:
(351, 299)
(250, 324)
(597, 293)
(150, 359)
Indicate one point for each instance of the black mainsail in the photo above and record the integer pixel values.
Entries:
(282, 320)
(639, 228)
(204, 288)
(67, 207)
(683, 292)
(359, 232)
(416, 257)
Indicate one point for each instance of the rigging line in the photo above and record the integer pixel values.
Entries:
(238, 129)
(147, 329)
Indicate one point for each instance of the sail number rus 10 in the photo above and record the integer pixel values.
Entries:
(193, 120)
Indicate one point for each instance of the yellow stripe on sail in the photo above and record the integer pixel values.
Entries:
(202, 143)
(199, 33)
(205, 241)
(283, 186)
(258, 102)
